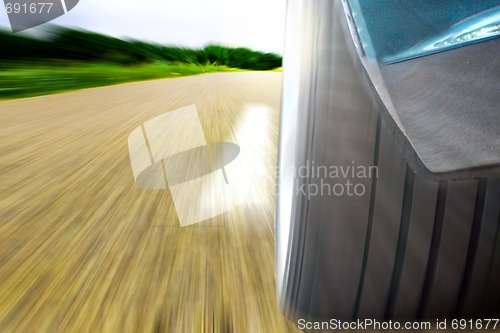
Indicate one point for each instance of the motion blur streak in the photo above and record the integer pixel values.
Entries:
(83, 249)
(250, 171)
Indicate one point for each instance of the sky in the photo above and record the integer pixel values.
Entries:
(258, 24)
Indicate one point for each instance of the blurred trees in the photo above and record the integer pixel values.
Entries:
(78, 45)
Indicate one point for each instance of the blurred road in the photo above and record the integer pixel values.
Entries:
(83, 249)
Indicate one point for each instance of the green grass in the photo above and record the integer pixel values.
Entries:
(28, 79)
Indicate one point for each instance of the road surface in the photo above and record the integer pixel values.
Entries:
(84, 249)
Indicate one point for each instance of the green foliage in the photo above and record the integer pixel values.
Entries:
(72, 59)
(25, 79)
(84, 46)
